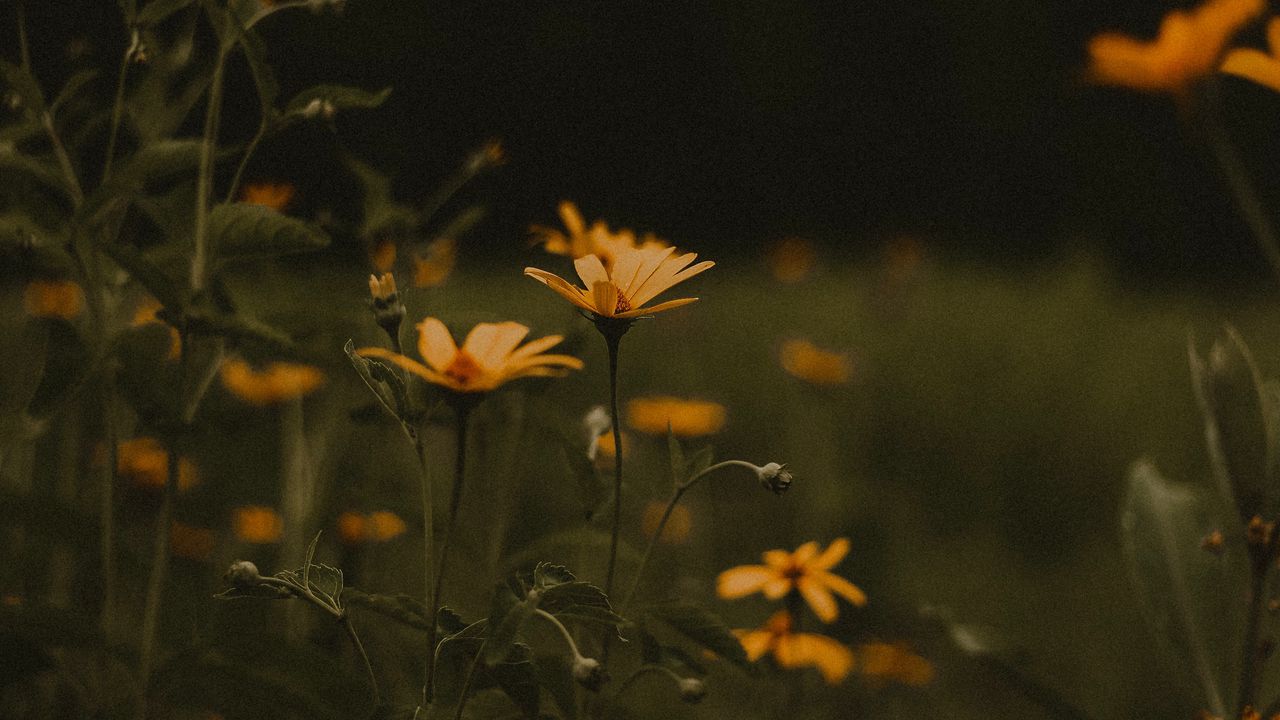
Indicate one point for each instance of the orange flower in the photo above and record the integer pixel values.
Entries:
(678, 526)
(804, 571)
(146, 462)
(257, 524)
(1260, 67)
(810, 363)
(433, 267)
(488, 357)
(56, 299)
(796, 650)
(686, 418)
(893, 662)
(190, 542)
(146, 314)
(378, 526)
(1186, 49)
(597, 240)
(792, 259)
(268, 194)
(383, 256)
(280, 381)
(636, 277)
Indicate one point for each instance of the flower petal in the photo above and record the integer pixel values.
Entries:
(832, 659)
(591, 270)
(755, 642)
(533, 347)
(777, 559)
(659, 279)
(805, 553)
(819, 598)
(651, 259)
(566, 289)
(491, 343)
(831, 556)
(841, 587)
(1253, 65)
(409, 364)
(605, 298)
(742, 581)
(777, 587)
(660, 307)
(435, 344)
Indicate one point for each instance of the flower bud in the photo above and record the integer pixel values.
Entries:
(589, 673)
(775, 478)
(319, 108)
(388, 311)
(243, 574)
(692, 690)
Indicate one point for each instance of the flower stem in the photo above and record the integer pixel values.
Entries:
(117, 109)
(204, 181)
(613, 341)
(1262, 557)
(244, 160)
(564, 632)
(643, 669)
(345, 621)
(428, 561)
(106, 507)
(466, 684)
(462, 411)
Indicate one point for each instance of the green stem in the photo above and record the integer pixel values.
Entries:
(1262, 556)
(564, 632)
(613, 341)
(244, 161)
(204, 181)
(64, 160)
(117, 108)
(462, 410)
(466, 684)
(106, 509)
(428, 559)
(345, 621)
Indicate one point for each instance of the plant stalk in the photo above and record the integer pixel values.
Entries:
(345, 621)
(613, 341)
(204, 181)
(462, 410)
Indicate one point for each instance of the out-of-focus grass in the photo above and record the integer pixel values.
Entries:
(976, 461)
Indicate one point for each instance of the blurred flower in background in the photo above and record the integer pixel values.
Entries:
(275, 195)
(686, 418)
(808, 362)
(257, 524)
(796, 650)
(679, 525)
(578, 240)
(276, 383)
(791, 259)
(1256, 65)
(147, 313)
(804, 571)
(191, 542)
(377, 526)
(145, 462)
(383, 255)
(432, 266)
(882, 662)
(54, 299)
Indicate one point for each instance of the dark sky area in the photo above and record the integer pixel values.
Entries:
(733, 122)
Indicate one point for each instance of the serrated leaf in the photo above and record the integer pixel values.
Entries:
(245, 230)
(380, 379)
(157, 11)
(702, 627)
(676, 454)
(547, 575)
(506, 618)
(342, 97)
(306, 561)
(74, 85)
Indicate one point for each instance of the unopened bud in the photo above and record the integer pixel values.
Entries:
(775, 478)
(388, 311)
(692, 690)
(319, 108)
(243, 574)
(589, 673)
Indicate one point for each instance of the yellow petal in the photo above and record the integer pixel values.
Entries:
(533, 347)
(831, 556)
(819, 599)
(591, 270)
(651, 260)
(660, 279)
(805, 553)
(491, 343)
(435, 344)
(1273, 36)
(572, 218)
(832, 659)
(1253, 65)
(755, 642)
(777, 587)
(842, 587)
(742, 580)
(604, 297)
(409, 364)
(654, 309)
(777, 559)
(561, 286)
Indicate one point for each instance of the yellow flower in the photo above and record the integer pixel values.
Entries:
(881, 662)
(257, 524)
(378, 526)
(146, 462)
(792, 259)
(580, 240)
(810, 363)
(637, 276)
(268, 194)
(1260, 67)
(56, 299)
(383, 256)
(433, 267)
(278, 382)
(796, 650)
(382, 288)
(686, 418)
(488, 357)
(1186, 49)
(804, 571)
(147, 314)
(678, 526)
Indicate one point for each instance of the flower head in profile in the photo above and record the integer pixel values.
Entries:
(578, 240)
(490, 356)
(276, 383)
(797, 649)
(637, 276)
(1256, 65)
(684, 418)
(805, 571)
(1186, 49)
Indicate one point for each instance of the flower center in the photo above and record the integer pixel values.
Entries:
(463, 369)
(623, 305)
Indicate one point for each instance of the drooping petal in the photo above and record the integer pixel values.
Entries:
(660, 307)
(435, 344)
(742, 581)
(841, 587)
(560, 285)
(409, 364)
(832, 556)
(491, 343)
(832, 659)
(819, 599)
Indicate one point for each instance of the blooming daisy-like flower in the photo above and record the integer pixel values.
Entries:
(277, 382)
(804, 571)
(795, 650)
(1186, 49)
(1256, 65)
(637, 276)
(488, 357)
(579, 240)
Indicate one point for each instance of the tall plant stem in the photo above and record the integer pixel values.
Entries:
(106, 507)
(46, 120)
(428, 558)
(117, 109)
(613, 341)
(462, 409)
(204, 181)
(248, 155)
(345, 621)
(1262, 555)
(466, 684)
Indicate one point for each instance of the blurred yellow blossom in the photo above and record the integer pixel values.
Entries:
(145, 461)
(679, 525)
(190, 542)
(811, 363)
(433, 266)
(604, 446)
(277, 382)
(1260, 67)
(383, 256)
(57, 299)
(257, 524)
(893, 662)
(1187, 48)
(146, 314)
(804, 571)
(796, 650)
(276, 196)
(637, 276)
(792, 259)
(686, 418)
(378, 526)
(578, 240)
(488, 357)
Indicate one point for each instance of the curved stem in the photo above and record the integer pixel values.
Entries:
(564, 632)
(244, 160)
(613, 341)
(461, 411)
(204, 181)
(345, 621)
(466, 684)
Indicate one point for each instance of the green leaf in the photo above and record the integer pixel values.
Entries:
(74, 84)
(264, 78)
(241, 327)
(582, 601)
(515, 675)
(702, 627)
(43, 172)
(157, 11)
(1190, 596)
(401, 608)
(506, 618)
(547, 575)
(384, 383)
(154, 163)
(21, 82)
(342, 97)
(676, 454)
(382, 214)
(162, 287)
(306, 562)
(244, 230)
